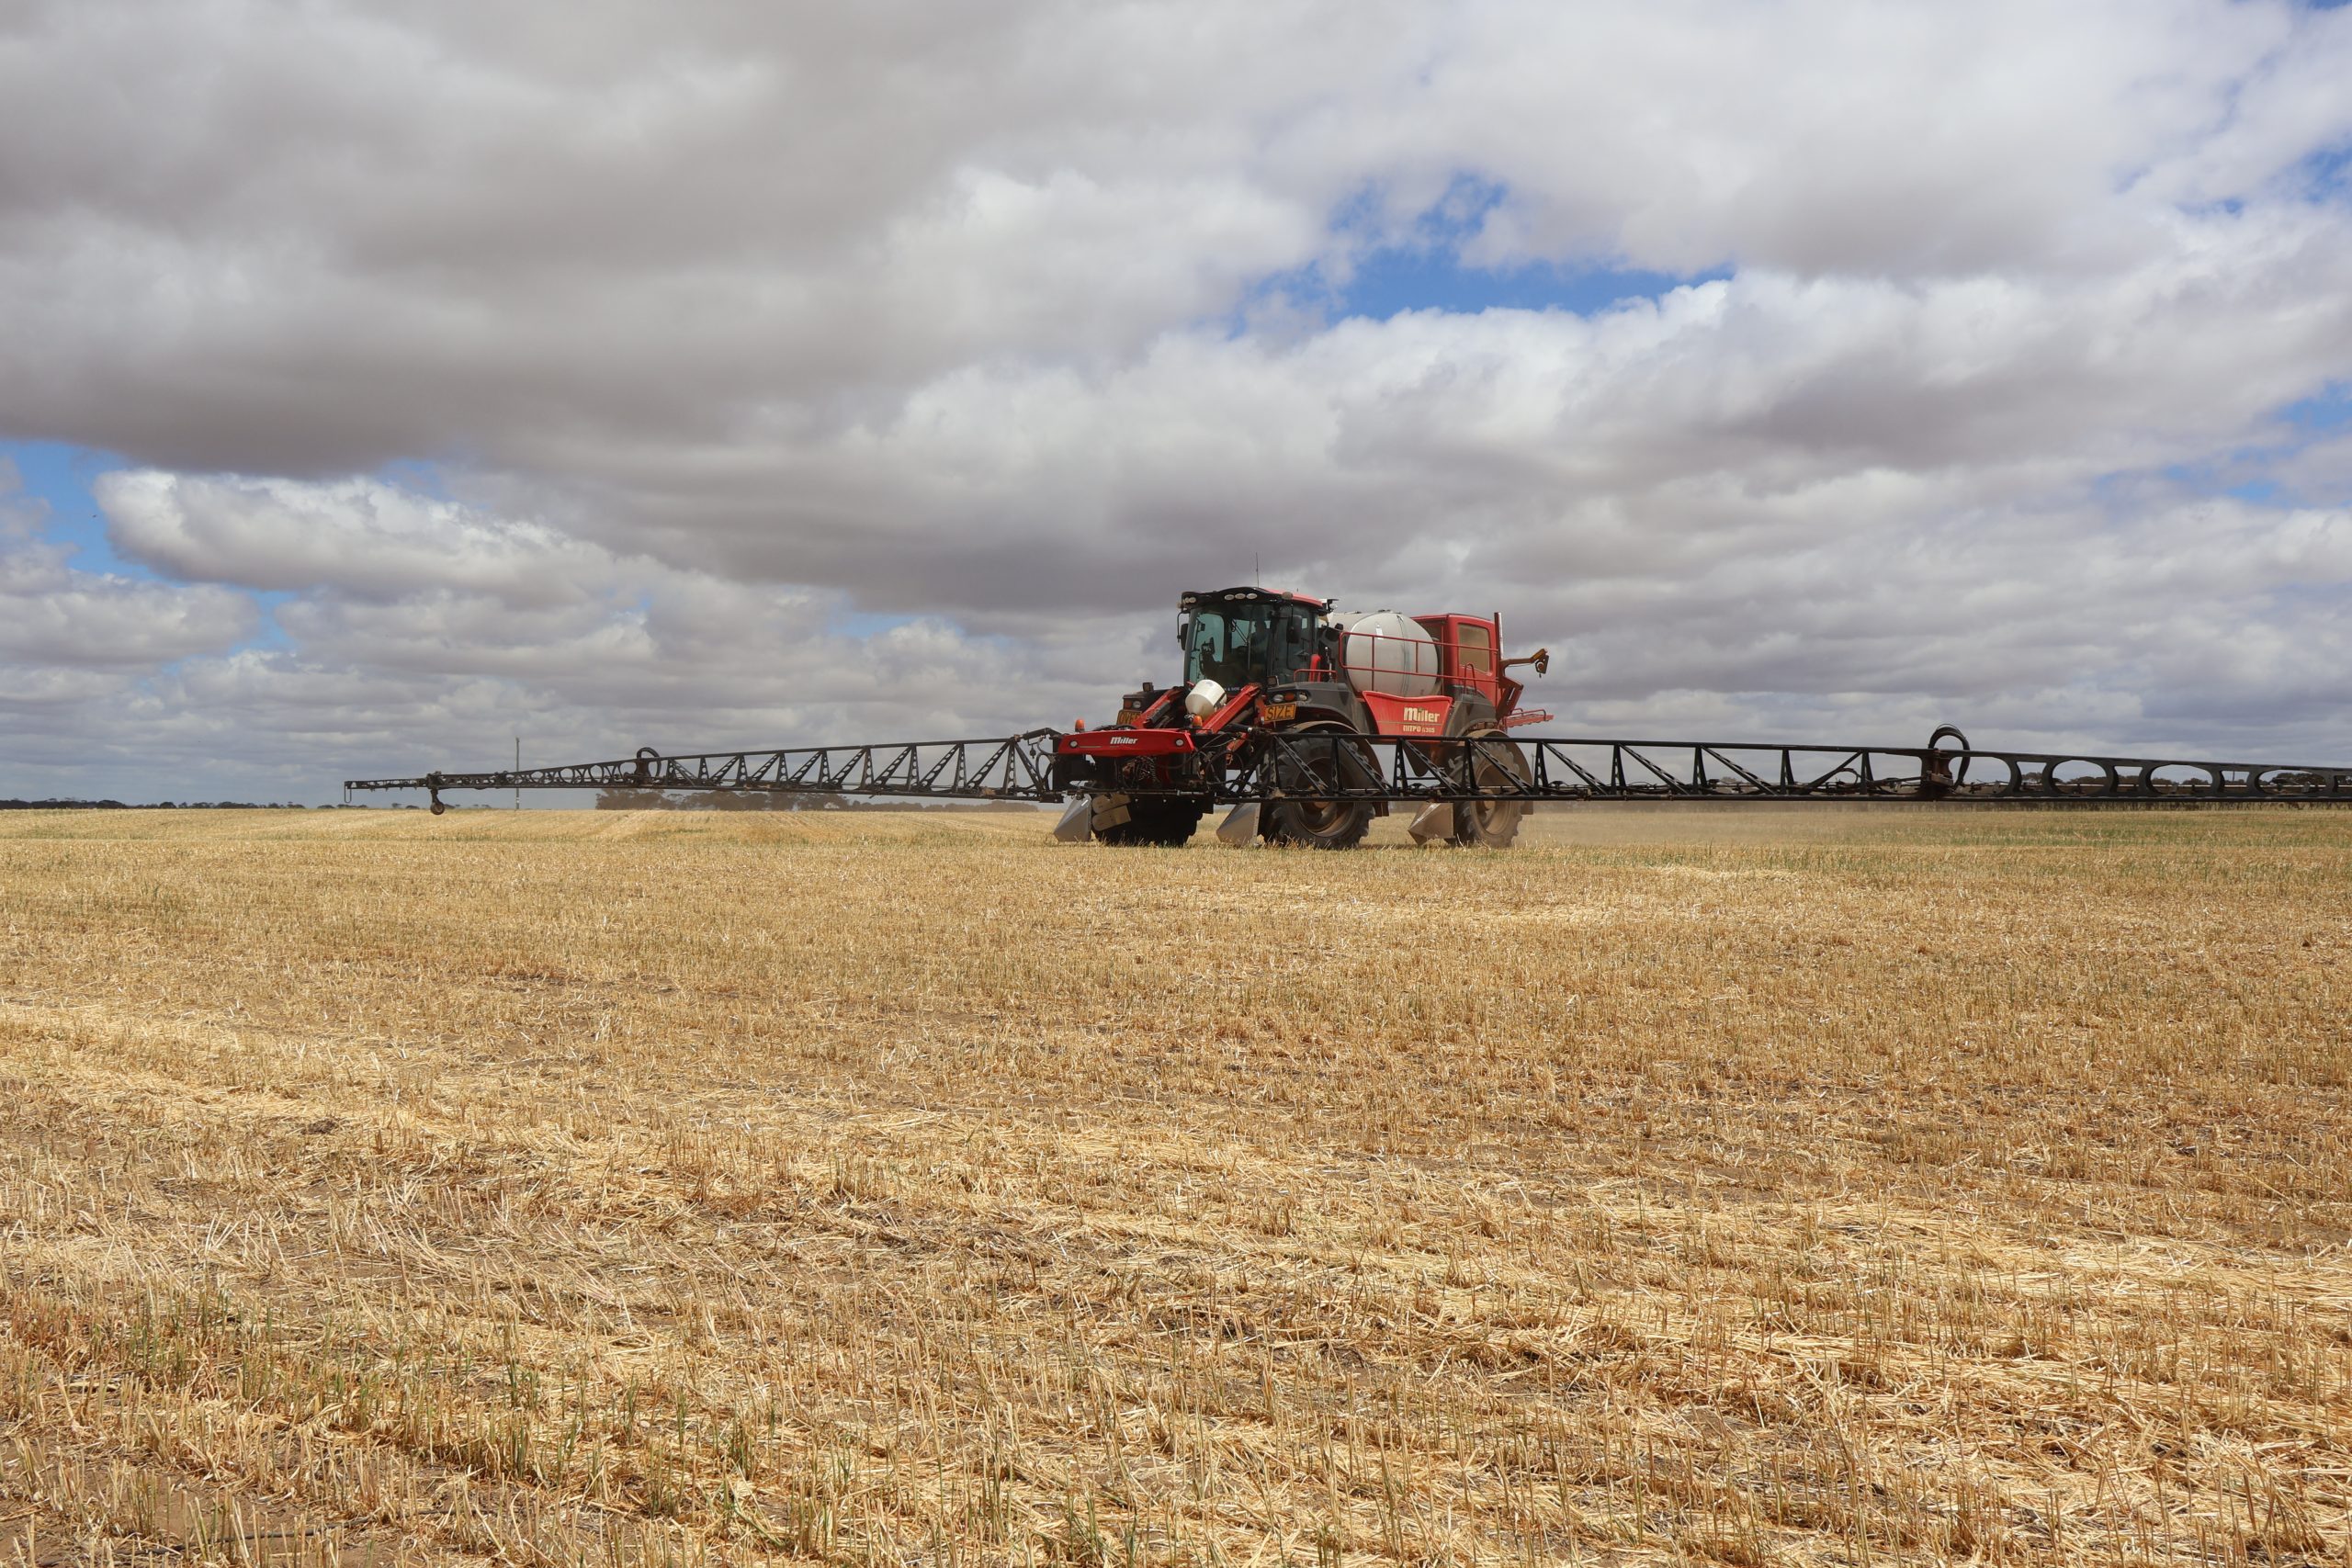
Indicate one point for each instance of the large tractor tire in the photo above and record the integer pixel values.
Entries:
(1491, 824)
(1163, 822)
(1296, 817)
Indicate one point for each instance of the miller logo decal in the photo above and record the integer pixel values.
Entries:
(1419, 716)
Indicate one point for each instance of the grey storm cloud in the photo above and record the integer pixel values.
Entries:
(710, 372)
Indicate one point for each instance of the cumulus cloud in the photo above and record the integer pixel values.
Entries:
(50, 613)
(76, 645)
(399, 621)
(707, 368)
(361, 537)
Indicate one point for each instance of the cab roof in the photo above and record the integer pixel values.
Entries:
(1251, 596)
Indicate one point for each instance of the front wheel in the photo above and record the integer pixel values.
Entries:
(1297, 817)
(1495, 764)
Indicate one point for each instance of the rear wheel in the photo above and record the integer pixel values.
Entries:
(1163, 822)
(1495, 763)
(1297, 817)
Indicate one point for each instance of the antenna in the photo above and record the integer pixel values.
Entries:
(1256, 569)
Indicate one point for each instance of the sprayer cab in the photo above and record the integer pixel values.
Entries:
(1251, 637)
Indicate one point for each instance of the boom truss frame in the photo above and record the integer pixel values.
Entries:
(1540, 768)
(1251, 764)
(1014, 767)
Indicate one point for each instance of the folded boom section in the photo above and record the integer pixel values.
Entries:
(1560, 768)
(1014, 767)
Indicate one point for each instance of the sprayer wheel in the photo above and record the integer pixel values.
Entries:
(1491, 824)
(1295, 818)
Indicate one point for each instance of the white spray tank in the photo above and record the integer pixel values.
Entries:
(1388, 652)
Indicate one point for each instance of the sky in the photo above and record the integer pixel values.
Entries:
(379, 382)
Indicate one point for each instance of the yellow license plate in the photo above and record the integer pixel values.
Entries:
(1277, 713)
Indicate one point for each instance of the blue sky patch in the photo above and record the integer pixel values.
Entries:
(1392, 281)
(427, 479)
(60, 475)
(2324, 412)
(2245, 473)
(863, 624)
(1389, 273)
(267, 634)
(2325, 174)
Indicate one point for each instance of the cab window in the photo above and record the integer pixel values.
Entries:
(1239, 644)
(1204, 644)
(1474, 648)
(1227, 646)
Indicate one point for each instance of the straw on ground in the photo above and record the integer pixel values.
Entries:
(615, 1187)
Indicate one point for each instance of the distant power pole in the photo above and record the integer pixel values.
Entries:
(518, 773)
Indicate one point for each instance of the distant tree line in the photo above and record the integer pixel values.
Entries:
(714, 800)
(775, 800)
(152, 805)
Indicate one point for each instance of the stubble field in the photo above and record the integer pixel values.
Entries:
(576, 1188)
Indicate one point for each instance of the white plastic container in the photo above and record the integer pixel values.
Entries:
(1388, 652)
(1206, 698)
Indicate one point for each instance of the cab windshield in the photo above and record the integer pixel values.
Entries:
(1237, 644)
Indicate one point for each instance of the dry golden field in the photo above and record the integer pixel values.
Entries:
(605, 1188)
